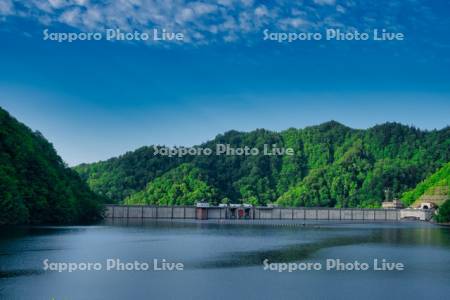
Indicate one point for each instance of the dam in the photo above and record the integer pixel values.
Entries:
(264, 213)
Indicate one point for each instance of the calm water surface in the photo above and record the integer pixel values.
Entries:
(225, 261)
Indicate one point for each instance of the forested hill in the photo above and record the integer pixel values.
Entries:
(35, 184)
(333, 165)
(435, 188)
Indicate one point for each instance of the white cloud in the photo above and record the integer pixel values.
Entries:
(203, 8)
(325, 2)
(261, 11)
(71, 17)
(293, 23)
(341, 9)
(247, 2)
(92, 17)
(81, 2)
(202, 21)
(6, 7)
(43, 6)
(185, 15)
(57, 3)
(225, 2)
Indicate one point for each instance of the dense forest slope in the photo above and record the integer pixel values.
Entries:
(435, 188)
(333, 165)
(183, 184)
(35, 184)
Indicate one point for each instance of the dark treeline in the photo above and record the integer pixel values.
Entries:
(35, 184)
(333, 165)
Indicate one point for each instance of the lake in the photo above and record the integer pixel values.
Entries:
(225, 261)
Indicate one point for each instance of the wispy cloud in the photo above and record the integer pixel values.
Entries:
(207, 21)
(6, 7)
(325, 2)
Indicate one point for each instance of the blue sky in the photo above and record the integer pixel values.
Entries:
(98, 99)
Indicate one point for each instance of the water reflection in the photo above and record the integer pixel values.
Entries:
(213, 252)
(23, 272)
(286, 254)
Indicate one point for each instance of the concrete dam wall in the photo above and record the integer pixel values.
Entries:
(264, 213)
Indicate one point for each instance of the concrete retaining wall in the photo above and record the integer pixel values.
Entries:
(190, 212)
(214, 213)
(264, 213)
(150, 212)
(419, 214)
(178, 212)
(299, 213)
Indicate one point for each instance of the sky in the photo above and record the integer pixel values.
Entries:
(98, 99)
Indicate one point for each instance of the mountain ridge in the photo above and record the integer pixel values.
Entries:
(343, 163)
(232, 131)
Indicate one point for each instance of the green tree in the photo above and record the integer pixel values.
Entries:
(35, 184)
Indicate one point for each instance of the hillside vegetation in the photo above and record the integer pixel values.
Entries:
(181, 185)
(333, 165)
(35, 184)
(435, 188)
